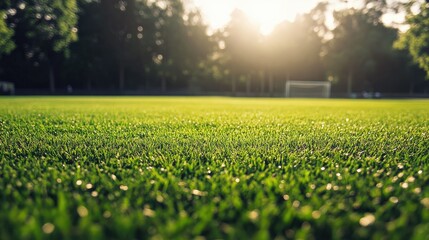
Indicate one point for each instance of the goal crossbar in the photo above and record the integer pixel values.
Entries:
(324, 92)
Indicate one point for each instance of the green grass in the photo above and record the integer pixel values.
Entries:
(219, 168)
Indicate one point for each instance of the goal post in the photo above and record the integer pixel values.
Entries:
(308, 89)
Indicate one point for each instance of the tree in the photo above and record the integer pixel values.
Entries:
(360, 45)
(118, 30)
(197, 50)
(242, 48)
(295, 47)
(43, 29)
(6, 43)
(416, 38)
(182, 46)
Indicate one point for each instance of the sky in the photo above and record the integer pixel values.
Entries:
(266, 13)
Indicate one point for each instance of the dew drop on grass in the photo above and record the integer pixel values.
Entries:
(420, 172)
(425, 202)
(107, 214)
(367, 220)
(296, 204)
(48, 228)
(159, 198)
(359, 170)
(394, 199)
(82, 211)
(254, 215)
(410, 179)
(148, 212)
(79, 182)
(322, 168)
(316, 214)
(417, 190)
(198, 193)
(237, 180)
(181, 184)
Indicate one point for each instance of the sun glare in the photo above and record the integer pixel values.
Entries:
(265, 13)
(268, 13)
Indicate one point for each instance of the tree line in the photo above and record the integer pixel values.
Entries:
(122, 46)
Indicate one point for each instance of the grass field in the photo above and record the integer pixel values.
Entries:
(214, 168)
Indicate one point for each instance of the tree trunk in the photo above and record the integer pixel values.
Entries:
(146, 83)
(248, 85)
(271, 84)
(163, 84)
(349, 83)
(233, 86)
(51, 78)
(411, 91)
(89, 84)
(121, 76)
(262, 78)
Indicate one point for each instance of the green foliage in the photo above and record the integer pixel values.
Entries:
(51, 24)
(416, 38)
(182, 168)
(6, 43)
(242, 48)
(295, 47)
(43, 31)
(153, 46)
(361, 50)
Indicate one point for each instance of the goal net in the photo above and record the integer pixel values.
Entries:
(308, 89)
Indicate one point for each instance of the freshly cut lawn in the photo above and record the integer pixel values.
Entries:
(219, 168)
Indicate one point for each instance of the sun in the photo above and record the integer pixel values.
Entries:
(265, 13)
(268, 13)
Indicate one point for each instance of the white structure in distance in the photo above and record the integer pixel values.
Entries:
(308, 89)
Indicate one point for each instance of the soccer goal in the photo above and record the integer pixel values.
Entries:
(310, 89)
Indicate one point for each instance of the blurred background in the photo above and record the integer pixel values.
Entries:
(367, 48)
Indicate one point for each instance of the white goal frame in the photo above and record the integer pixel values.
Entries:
(326, 85)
